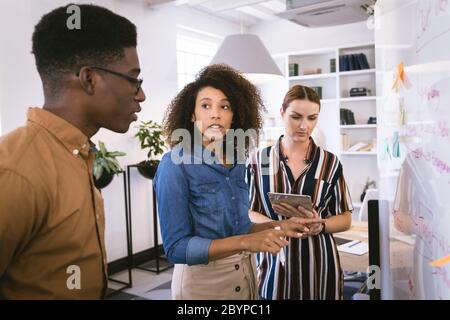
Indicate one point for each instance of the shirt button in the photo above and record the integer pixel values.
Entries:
(233, 198)
(236, 266)
(236, 222)
(75, 152)
(237, 289)
(213, 190)
(97, 216)
(227, 178)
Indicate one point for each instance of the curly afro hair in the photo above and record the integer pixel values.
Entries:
(59, 50)
(244, 97)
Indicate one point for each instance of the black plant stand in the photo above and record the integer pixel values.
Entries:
(129, 257)
(160, 263)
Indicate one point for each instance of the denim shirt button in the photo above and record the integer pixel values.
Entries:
(233, 198)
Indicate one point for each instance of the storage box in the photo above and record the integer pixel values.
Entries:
(309, 71)
(293, 69)
(318, 90)
(332, 65)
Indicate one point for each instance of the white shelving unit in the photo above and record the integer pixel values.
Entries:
(359, 126)
(358, 99)
(358, 166)
(356, 72)
(313, 77)
(358, 153)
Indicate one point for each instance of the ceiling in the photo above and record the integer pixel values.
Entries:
(247, 12)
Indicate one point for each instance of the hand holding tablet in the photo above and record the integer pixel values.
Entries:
(295, 200)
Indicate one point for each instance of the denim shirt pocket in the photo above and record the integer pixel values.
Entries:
(204, 195)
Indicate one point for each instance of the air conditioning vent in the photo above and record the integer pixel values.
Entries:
(320, 13)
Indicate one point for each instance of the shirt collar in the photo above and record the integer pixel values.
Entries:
(310, 153)
(70, 136)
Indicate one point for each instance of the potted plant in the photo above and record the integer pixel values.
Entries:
(149, 136)
(369, 183)
(105, 166)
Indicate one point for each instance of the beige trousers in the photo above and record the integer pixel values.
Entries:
(231, 278)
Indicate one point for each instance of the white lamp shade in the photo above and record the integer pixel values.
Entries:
(247, 53)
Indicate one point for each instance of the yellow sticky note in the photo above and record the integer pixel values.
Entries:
(440, 262)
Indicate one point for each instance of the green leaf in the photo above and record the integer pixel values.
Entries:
(99, 173)
(102, 147)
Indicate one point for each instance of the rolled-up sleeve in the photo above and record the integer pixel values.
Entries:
(177, 231)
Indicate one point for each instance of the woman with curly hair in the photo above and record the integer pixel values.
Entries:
(202, 195)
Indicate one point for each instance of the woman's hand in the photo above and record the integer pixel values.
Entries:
(311, 221)
(298, 227)
(269, 240)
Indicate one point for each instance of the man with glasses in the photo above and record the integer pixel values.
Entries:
(51, 215)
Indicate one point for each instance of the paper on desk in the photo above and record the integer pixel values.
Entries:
(354, 247)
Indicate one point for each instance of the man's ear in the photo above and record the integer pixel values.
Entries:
(87, 78)
(193, 118)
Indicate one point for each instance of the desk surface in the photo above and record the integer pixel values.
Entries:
(353, 262)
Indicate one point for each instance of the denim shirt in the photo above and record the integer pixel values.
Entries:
(197, 203)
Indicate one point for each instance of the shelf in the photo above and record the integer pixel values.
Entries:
(314, 77)
(357, 99)
(358, 153)
(360, 126)
(357, 72)
(366, 45)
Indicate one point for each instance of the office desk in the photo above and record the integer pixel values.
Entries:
(353, 262)
(401, 251)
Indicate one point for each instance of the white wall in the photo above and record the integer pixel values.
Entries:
(284, 36)
(20, 88)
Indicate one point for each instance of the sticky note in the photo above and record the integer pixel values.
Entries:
(440, 262)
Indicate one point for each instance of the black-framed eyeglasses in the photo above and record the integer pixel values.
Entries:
(136, 81)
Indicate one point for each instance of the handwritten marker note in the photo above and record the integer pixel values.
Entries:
(440, 262)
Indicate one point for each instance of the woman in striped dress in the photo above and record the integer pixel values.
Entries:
(297, 165)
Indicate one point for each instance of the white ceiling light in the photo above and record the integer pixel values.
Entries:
(247, 53)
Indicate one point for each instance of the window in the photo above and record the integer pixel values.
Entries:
(195, 50)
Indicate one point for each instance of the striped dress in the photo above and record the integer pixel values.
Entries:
(312, 269)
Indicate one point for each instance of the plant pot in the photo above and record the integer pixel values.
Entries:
(148, 168)
(362, 196)
(105, 179)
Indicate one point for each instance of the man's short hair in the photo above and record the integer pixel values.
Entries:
(60, 50)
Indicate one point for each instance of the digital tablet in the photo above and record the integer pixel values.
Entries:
(294, 200)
